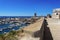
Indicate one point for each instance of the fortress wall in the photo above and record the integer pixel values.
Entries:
(36, 30)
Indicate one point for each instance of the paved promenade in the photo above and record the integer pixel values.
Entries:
(54, 26)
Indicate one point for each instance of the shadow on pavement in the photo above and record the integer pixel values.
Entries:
(44, 33)
(47, 32)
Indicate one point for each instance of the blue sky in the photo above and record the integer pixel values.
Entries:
(27, 7)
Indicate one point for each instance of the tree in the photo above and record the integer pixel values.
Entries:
(48, 15)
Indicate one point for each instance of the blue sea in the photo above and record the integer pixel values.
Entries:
(13, 28)
(15, 16)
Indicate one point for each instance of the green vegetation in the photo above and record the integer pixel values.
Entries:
(2, 37)
(11, 35)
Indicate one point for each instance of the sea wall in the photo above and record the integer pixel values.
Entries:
(40, 33)
(36, 30)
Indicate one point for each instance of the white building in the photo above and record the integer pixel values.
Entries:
(56, 13)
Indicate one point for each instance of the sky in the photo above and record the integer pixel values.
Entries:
(27, 7)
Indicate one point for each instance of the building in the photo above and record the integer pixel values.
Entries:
(56, 13)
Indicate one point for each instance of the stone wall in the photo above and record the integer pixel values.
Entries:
(40, 33)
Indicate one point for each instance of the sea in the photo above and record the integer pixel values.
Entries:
(13, 28)
(15, 16)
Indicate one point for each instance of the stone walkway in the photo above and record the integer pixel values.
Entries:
(54, 26)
